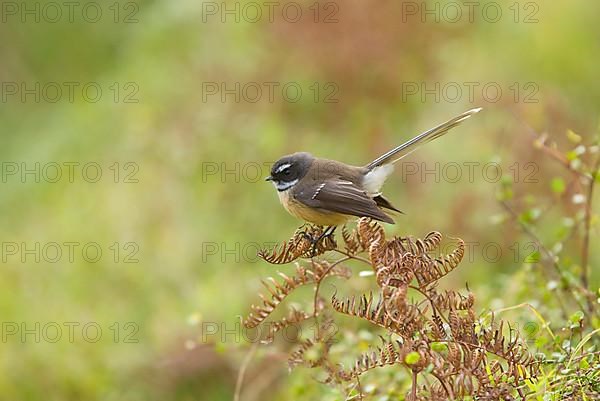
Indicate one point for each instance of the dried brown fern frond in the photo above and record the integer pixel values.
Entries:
(322, 268)
(287, 251)
(369, 231)
(408, 318)
(352, 243)
(395, 298)
(520, 363)
(436, 328)
(308, 242)
(378, 314)
(314, 352)
(410, 354)
(366, 308)
(399, 260)
(294, 317)
(434, 332)
(279, 290)
(296, 358)
(419, 246)
(389, 354)
(448, 299)
(323, 245)
(437, 268)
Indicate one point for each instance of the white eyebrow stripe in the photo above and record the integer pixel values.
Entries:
(283, 167)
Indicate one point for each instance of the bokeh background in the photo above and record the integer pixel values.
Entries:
(185, 203)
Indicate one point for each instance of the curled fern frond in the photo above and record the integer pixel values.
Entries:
(287, 251)
(351, 241)
(419, 246)
(432, 241)
(435, 269)
(369, 231)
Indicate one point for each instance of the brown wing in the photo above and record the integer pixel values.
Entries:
(383, 202)
(342, 197)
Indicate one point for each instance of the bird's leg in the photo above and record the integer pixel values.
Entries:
(328, 233)
(305, 232)
(308, 235)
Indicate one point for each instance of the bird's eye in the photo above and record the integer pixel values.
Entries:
(286, 171)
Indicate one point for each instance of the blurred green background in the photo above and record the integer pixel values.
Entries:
(185, 203)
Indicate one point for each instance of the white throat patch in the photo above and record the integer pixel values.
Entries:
(282, 186)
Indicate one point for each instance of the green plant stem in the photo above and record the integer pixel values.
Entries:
(545, 324)
(534, 237)
(585, 249)
(546, 252)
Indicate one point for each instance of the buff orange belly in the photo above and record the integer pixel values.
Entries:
(311, 215)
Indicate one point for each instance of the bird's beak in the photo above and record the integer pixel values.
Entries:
(269, 178)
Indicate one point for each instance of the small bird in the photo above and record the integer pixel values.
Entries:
(328, 192)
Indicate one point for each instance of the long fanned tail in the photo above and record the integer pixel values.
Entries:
(408, 147)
